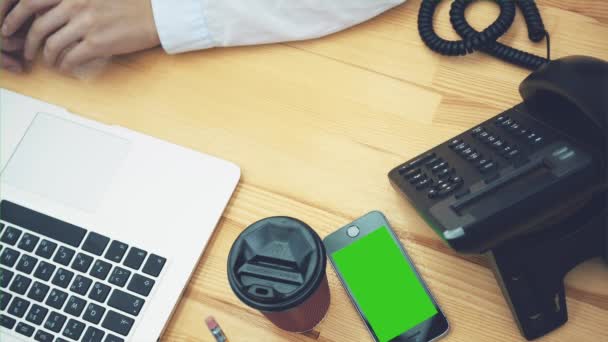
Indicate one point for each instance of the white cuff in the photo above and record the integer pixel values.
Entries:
(181, 25)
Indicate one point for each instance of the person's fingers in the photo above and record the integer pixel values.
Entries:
(59, 41)
(10, 63)
(42, 27)
(12, 44)
(5, 7)
(80, 54)
(21, 12)
(65, 51)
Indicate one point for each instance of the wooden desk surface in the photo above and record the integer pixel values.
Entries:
(315, 127)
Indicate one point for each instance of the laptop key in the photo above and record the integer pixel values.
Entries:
(5, 297)
(26, 264)
(118, 323)
(99, 292)
(46, 249)
(93, 313)
(125, 302)
(20, 284)
(64, 256)
(37, 314)
(92, 335)
(82, 262)
(1, 227)
(42, 224)
(28, 242)
(73, 329)
(25, 329)
(100, 269)
(95, 243)
(119, 276)
(5, 277)
(135, 258)
(113, 338)
(44, 271)
(9, 257)
(75, 306)
(56, 299)
(18, 307)
(154, 265)
(43, 336)
(62, 278)
(7, 322)
(10, 236)
(81, 285)
(141, 285)
(55, 322)
(116, 251)
(38, 291)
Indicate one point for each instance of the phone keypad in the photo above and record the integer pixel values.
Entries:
(481, 155)
(436, 177)
(512, 126)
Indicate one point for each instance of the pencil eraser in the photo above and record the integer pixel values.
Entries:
(211, 323)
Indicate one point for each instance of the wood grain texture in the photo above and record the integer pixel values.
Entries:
(316, 126)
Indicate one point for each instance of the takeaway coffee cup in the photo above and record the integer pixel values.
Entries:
(277, 266)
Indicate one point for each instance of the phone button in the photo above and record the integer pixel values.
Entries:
(353, 231)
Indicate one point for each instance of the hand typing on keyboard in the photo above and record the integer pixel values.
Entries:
(56, 283)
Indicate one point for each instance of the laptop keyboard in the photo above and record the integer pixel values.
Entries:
(60, 282)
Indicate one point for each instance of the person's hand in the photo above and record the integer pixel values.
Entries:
(11, 48)
(10, 55)
(75, 32)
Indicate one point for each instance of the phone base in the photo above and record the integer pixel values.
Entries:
(531, 270)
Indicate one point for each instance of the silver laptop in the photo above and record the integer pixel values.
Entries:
(100, 227)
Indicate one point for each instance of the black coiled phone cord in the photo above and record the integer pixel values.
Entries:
(485, 40)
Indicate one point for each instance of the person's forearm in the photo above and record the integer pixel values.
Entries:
(71, 33)
(188, 25)
(182, 25)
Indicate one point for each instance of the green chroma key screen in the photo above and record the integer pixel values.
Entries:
(383, 284)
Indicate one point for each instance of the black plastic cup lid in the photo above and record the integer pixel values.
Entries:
(276, 264)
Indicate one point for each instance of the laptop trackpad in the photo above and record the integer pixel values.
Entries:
(66, 162)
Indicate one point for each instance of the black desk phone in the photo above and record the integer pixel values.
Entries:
(528, 186)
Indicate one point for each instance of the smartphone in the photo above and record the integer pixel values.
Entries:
(383, 283)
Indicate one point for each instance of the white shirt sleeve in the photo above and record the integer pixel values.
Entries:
(186, 25)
